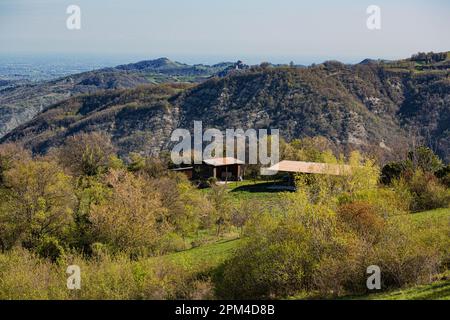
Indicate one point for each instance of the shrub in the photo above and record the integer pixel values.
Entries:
(212, 181)
(324, 189)
(309, 248)
(132, 217)
(423, 158)
(26, 276)
(403, 256)
(392, 171)
(171, 242)
(50, 248)
(37, 203)
(281, 255)
(362, 218)
(99, 250)
(427, 192)
(386, 202)
(444, 176)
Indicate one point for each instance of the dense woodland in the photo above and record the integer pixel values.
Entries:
(19, 103)
(123, 220)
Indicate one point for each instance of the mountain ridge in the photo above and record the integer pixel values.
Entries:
(19, 104)
(376, 107)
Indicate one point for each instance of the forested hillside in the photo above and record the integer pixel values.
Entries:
(373, 106)
(20, 103)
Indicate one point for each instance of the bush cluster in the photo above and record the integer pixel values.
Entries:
(327, 235)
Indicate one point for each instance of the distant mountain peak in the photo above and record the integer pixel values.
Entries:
(368, 61)
(374, 61)
(160, 61)
(163, 59)
(152, 65)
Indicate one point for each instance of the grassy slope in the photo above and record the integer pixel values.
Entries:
(210, 256)
(249, 190)
(441, 215)
(205, 257)
(439, 290)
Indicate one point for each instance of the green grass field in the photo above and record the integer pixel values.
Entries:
(440, 215)
(248, 190)
(439, 290)
(204, 258)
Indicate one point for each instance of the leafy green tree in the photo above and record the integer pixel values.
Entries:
(444, 175)
(425, 159)
(11, 153)
(132, 217)
(37, 203)
(86, 154)
(90, 191)
(392, 171)
(137, 162)
(220, 200)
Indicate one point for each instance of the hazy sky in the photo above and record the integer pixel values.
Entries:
(213, 30)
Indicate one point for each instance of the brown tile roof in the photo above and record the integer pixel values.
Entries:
(311, 167)
(218, 162)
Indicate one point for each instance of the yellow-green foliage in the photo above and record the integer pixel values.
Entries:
(133, 217)
(316, 149)
(313, 248)
(109, 218)
(363, 177)
(427, 192)
(386, 201)
(364, 174)
(25, 276)
(47, 210)
(37, 201)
